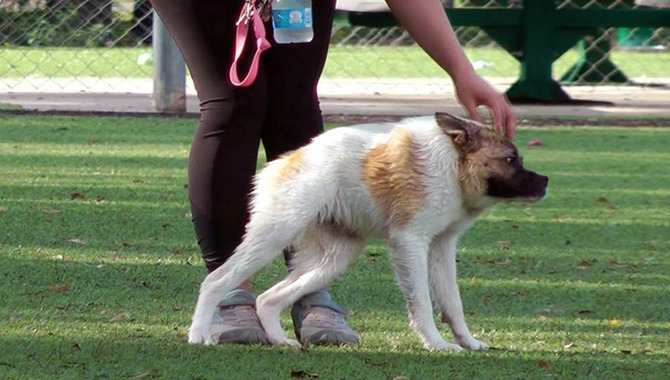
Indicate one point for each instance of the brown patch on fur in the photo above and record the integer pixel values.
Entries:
(291, 163)
(488, 159)
(392, 173)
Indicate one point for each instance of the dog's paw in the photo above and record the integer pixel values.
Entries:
(472, 344)
(443, 346)
(197, 335)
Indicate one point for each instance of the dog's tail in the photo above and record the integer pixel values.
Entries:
(263, 242)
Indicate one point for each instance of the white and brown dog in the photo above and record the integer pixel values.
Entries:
(419, 183)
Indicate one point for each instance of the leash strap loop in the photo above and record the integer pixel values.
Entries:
(247, 15)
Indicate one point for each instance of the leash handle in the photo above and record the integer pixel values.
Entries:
(249, 14)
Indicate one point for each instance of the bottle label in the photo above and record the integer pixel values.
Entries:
(292, 18)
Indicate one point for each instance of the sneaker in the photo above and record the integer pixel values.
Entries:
(318, 320)
(236, 320)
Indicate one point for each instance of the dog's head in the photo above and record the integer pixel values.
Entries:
(490, 165)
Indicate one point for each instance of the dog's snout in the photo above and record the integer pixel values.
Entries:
(536, 179)
(544, 180)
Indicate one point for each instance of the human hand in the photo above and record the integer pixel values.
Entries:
(473, 91)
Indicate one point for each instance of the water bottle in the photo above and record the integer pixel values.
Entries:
(292, 21)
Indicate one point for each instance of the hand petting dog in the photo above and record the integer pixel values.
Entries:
(473, 91)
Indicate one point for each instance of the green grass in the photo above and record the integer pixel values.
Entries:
(19, 62)
(343, 62)
(100, 271)
(9, 107)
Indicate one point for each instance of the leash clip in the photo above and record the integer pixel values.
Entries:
(264, 9)
(247, 13)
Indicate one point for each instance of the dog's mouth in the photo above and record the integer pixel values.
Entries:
(534, 198)
(525, 186)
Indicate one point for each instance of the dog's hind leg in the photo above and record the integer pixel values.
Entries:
(324, 253)
(262, 243)
(445, 290)
(410, 258)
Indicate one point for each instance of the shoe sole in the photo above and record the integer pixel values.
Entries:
(320, 337)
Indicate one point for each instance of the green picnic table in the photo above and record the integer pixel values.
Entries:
(536, 34)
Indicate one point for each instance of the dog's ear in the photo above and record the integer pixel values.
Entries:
(464, 133)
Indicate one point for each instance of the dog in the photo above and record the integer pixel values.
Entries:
(419, 183)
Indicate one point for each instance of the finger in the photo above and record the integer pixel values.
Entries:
(498, 117)
(511, 125)
(510, 119)
(471, 109)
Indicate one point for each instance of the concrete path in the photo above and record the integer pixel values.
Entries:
(359, 98)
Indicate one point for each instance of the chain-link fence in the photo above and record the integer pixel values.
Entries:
(75, 45)
(105, 46)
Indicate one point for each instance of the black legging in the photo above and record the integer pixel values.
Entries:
(281, 109)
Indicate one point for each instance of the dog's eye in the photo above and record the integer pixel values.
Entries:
(510, 159)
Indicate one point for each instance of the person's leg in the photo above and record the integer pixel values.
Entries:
(225, 145)
(223, 154)
(294, 70)
(294, 115)
(293, 119)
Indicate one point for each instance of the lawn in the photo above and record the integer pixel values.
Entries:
(100, 270)
(344, 61)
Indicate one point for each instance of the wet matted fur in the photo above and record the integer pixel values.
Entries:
(419, 183)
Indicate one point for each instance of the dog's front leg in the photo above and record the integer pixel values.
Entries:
(442, 267)
(410, 258)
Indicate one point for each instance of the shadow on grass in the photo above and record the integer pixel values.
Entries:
(168, 357)
(162, 293)
(91, 316)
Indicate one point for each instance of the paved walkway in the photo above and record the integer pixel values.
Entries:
(357, 98)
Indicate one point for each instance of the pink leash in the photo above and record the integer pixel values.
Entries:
(249, 13)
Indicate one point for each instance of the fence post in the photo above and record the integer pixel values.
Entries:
(169, 92)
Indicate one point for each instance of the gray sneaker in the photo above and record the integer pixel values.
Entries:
(236, 320)
(318, 320)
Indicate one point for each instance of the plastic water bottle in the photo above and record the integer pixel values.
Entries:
(292, 21)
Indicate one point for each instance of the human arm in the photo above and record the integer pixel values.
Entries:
(428, 24)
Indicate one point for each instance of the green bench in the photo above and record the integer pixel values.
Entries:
(536, 35)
